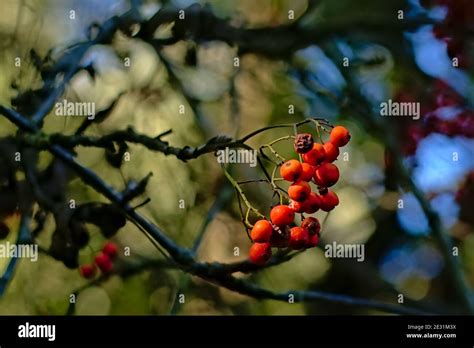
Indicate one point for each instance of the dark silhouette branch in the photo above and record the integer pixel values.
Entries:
(201, 24)
(43, 141)
(357, 102)
(69, 64)
(183, 257)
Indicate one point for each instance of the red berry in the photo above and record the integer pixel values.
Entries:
(307, 172)
(104, 263)
(312, 203)
(326, 175)
(299, 191)
(313, 240)
(339, 136)
(329, 201)
(299, 238)
(447, 97)
(88, 271)
(415, 133)
(298, 207)
(261, 231)
(312, 225)
(110, 249)
(316, 155)
(282, 215)
(332, 151)
(260, 253)
(460, 195)
(291, 170)
(466, 123)
(439, 32)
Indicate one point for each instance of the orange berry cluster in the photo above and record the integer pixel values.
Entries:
(103, 261)
(317, 167)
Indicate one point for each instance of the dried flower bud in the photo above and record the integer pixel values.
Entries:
(303, 142)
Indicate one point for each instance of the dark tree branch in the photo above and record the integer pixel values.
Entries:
(201, 24)
(183, 257)
(357, 102)
(70, 63)
(42, 141)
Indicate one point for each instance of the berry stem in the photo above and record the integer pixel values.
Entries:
(252, 181)
(246, 223)
(317, 125)
(285, 125)
(295, 130)
(275, 187)
(286, 137)
(274, 152)
(249, 206)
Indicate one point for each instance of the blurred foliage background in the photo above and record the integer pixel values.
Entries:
(387, 61)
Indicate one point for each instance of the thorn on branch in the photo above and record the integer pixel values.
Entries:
(135, 189)
(163, 134)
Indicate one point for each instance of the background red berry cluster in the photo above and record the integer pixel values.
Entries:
(102, 261)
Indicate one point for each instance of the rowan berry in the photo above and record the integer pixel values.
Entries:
(316, 155)
(260, 253)
(110, 249)
(312, 225)
(313, 240)
(299, 191)
(329, 201)
(312, 203)
(88, 271)
(298, 207)
(332, 151)
(104, 263)
(291, 170)
(299, 238)
(326, 175)
(339, 136)
(282, 215)
(261, 231)
(303, 143)
(307, 172)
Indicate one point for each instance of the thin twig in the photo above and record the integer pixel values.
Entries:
(183, 257)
